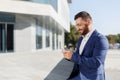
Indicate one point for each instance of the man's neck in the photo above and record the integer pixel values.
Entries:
(90, 28)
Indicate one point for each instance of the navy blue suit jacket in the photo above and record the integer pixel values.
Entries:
(90, 64)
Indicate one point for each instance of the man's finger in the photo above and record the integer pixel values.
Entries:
(66, 51)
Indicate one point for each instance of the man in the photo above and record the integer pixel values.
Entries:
(89, 58)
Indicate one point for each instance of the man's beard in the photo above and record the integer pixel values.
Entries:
(85, 30)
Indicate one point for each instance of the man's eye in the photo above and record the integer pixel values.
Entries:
(77, 25)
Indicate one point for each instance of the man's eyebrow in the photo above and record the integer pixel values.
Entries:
(78, 24)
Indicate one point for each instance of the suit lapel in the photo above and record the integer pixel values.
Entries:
(89, 41)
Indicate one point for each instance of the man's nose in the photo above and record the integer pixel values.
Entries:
(77, 28)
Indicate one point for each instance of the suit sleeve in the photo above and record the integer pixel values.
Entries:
(99, 54)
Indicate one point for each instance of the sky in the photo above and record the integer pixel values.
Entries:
(105, 14)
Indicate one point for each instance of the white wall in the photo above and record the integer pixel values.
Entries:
(24, 7)
(64, 13)
(24, 34)
(25, 30)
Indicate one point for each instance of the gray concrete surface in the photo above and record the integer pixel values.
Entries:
(48, 65)
(43, 65)
(112, 65)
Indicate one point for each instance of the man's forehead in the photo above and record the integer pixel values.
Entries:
(79, 20)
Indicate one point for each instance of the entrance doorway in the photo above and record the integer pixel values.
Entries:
(6, 37)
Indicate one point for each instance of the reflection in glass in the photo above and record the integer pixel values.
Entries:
(9, 37)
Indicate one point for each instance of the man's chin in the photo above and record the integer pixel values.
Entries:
(81, 32)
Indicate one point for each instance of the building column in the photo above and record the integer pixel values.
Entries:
(44, 34)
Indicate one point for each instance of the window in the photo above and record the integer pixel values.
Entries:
(53, 3)
(39, 24)
(6, 17)
(60, 36)
(53, 38)
(56, 37)
(9, 37)
(7, 32)
(47, 31)
(1, 41)
(6, 37)
(53, 33)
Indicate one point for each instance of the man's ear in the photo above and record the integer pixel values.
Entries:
(89, 21)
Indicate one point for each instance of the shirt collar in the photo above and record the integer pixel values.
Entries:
(89, 34)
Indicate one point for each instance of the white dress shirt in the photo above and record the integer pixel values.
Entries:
(84, 41)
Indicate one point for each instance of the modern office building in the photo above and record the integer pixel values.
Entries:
(33, 25)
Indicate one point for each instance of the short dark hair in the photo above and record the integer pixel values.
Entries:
(84, 15)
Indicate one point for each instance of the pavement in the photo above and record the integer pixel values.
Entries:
(112, 65)
(41, 65)
(48, 65)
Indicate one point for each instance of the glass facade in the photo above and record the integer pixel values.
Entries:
(47, 25)
(59, 42)
(39, 24)
(9, 40)
(56, 32)
(57, 38)
(51, 37)
(1, 37)
(6, 37)
(54, 3)
(5, 17)
(7, 32)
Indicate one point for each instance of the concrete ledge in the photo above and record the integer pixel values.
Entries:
(61, 71)
(48, 65)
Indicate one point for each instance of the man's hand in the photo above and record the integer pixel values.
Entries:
(67, 54)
